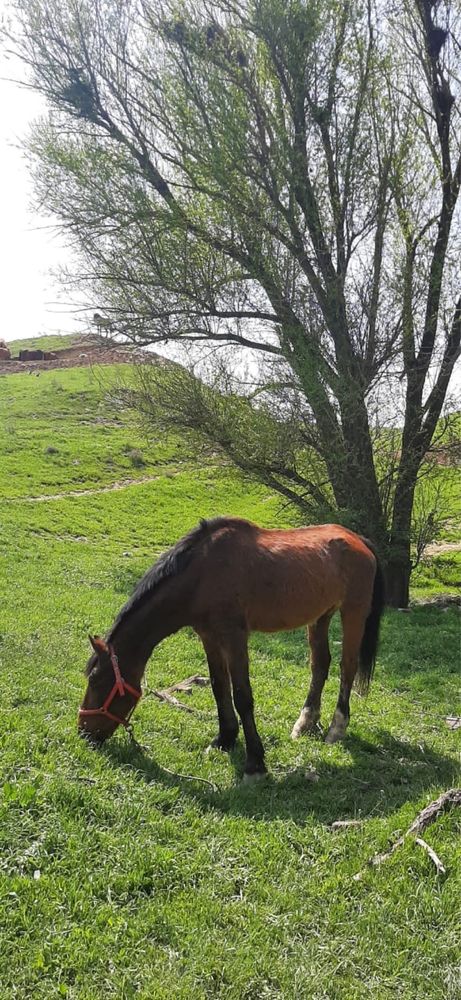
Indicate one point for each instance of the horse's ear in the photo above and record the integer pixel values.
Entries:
(98, 644)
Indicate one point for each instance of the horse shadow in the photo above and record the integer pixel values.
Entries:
(371, 781)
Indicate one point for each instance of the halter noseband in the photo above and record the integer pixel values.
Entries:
(120, 687)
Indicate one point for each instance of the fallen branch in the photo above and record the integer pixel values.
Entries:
(171, 700)
(453, 721)
(187, 685)
(448, 800)
(341, 824)
(433, 856)
(435, 809)
(166, 694)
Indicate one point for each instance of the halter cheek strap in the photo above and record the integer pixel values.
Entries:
(120, 687)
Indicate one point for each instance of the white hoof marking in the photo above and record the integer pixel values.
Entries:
(307, 723)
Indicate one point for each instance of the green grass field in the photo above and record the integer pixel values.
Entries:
(121, 880)
(47, 342)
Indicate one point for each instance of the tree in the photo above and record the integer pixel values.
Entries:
(283, 178)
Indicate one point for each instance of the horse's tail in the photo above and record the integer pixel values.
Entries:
(370, 640)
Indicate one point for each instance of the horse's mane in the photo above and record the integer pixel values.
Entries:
(169, 564)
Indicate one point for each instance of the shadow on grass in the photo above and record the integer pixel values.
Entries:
(376, 782)
(365, 779)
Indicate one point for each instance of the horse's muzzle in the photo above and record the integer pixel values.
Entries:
(94, 738)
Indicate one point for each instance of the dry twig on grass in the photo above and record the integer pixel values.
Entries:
(186, 686)
(435, 809)
(342, 824)
(448, 800)
(174, 702)
(453, 721)
(433, 856)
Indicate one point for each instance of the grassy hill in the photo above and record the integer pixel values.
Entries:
(120, 879)
(46, 342)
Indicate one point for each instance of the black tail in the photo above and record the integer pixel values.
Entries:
(369, 645)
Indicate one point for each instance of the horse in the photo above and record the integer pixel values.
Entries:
(227, 578)
(102, 323)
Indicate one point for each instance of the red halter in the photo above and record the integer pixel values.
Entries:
(120, 687)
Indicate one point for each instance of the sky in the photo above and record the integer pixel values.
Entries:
(31, 300)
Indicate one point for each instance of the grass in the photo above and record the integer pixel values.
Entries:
(436, 574)
(60, 433)
(119, 880)
(46, 342)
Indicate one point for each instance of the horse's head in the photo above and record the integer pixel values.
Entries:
(109, 698)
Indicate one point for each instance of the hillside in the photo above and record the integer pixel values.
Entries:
(152, 872)
(82, 351)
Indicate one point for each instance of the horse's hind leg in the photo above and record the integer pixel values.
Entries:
(221, 685)
(353, 622)
(320, 664)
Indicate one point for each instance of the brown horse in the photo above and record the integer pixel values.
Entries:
(225, 579)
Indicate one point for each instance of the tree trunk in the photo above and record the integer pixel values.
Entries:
(360, 479)
(399, 560)
(398, 578)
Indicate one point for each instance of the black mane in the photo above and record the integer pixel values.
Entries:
(169, 564)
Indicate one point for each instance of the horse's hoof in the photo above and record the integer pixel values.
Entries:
(337, 730)
(304, 730)
(252, 779)
(334, 735)
(305, 724)
(217, 745)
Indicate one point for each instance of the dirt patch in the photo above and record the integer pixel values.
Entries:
(438, 548)
(113, 487)
(442, 601)
(87, 353)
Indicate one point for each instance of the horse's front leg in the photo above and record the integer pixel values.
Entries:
(320, 665)
(237, 653)
(221, 687)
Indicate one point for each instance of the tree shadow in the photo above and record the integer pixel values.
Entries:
(373, 781)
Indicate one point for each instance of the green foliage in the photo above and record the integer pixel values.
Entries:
(270, 442)
(121, 880)
(439, 573)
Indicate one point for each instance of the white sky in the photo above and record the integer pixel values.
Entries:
(31, 301)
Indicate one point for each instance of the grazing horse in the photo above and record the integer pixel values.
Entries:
(228, 578)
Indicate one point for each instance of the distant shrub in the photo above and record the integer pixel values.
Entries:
(136, 458)
(51, 450)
